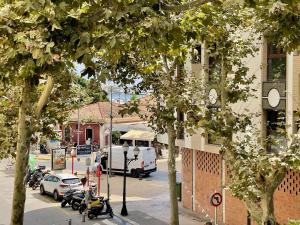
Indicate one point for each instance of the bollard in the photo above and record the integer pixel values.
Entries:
(83, 217)
(70, 222)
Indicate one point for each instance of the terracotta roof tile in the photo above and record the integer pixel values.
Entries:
(100, 112)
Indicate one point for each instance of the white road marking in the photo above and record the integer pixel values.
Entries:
(106, 221)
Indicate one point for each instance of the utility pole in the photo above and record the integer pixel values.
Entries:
(110, 141)
(78, 126)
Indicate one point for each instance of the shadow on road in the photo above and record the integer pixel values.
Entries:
(44, 198)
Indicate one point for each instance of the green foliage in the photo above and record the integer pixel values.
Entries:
(279, 21)
(116, 137)
(294, 222)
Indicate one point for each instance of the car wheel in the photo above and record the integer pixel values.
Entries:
(42, 190)
(55, 196)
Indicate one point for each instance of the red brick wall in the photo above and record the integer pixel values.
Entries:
(287, 198)
(187, 177)
(286, 202)
(235, 210)
(208, 180)
(82, 134)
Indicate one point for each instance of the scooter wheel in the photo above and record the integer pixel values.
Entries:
(75, 205)
(91, 215)
(63, 203)
(81, 209)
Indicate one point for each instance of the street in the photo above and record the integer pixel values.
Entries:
(147, 200)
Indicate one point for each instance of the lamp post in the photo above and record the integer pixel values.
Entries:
(127, 161)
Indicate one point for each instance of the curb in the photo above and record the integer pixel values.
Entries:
(42, 158)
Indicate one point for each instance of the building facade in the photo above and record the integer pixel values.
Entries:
(277, 99)
(93, 121)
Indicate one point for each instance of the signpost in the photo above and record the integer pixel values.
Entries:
(58, 159)
(84, 151)
(99, 173)
(216, 200)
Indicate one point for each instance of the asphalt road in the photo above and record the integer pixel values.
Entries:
(145, 197)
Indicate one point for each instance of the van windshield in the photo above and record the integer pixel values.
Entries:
(142, 143)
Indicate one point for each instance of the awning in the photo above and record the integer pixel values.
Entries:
(140, 135)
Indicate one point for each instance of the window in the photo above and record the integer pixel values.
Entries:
(180, 129)
(212, 137)
(129, 142)
(71, 181)
(196, 54)
(142, 143)
(276, 60)
(55, 179)
(67, 134)
(275, 129)
(214, 66)
(49, 178)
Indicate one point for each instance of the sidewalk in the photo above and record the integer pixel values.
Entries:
(156, 212)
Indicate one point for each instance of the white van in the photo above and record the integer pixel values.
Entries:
(143, 166)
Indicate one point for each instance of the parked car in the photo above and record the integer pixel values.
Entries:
(57, 185)
(143, 166)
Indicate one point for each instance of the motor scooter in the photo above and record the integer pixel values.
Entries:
(100, 207)
(77, 199)
(68, 197)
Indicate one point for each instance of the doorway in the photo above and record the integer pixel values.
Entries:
(89, 135)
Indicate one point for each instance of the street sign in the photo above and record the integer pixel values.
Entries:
(84, 151)
(58, 159)
(216, 199)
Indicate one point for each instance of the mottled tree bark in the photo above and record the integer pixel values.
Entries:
(174, 218)
(27, 116)
(267, 204)
(23, 145)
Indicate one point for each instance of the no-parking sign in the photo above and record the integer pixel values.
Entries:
(216, 199)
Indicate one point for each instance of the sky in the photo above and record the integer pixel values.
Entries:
(117, 92)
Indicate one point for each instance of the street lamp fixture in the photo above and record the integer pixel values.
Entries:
(136, 152)
(127, 161)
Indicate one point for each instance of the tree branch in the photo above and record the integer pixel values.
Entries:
(44, 97)
(166, 64)
(185, 6)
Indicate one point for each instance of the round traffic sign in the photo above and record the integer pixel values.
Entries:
(216, 199)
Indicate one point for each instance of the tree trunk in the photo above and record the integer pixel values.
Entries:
(174, 219)
(23, 145)
(267, 205)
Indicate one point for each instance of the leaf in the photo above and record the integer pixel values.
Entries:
(56, 26)
(49, 46)
(37, 53)
(112, 42)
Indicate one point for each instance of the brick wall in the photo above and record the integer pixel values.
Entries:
(187, 177)
(235, 210)
(287, 198)
(94, 127)
(207, 181)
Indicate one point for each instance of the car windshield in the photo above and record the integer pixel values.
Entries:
(71, 181)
